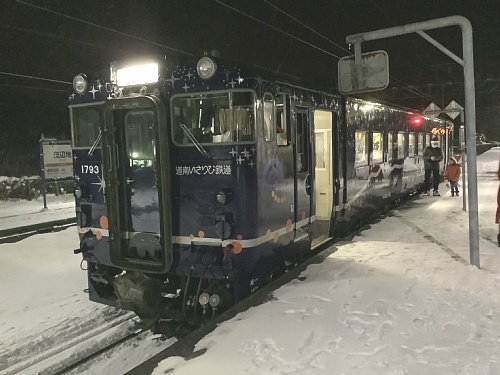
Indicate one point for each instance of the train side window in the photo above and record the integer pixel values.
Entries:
(411, 145)
(401, 145)
(269, 116)
(360, 148)
(302, 142)
(378, 147)
(282, 122)
(420, 148)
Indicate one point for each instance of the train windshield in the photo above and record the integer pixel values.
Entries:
(224, 117)
(85, 125)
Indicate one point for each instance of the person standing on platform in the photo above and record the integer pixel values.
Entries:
(452, 174)
(432, 156)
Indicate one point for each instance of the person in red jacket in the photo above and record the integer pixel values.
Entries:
(452, 174)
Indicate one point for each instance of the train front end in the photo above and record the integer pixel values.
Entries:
(165, 180)
(124, 233)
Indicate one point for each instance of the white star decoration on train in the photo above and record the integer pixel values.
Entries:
(189, 75)
(77, 178)
(101, 183)
(172, 79)
(99, 85)
(93, 91)
(240, 160)
(185, 87)
(239, 79)
(246, 154)
(251, 163)
(233, 152)
(232, 83)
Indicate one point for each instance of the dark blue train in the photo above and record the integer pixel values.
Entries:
(198, 180)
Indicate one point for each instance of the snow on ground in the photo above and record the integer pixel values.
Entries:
(17, 213)
(42, 300)
(392, 301)
(395, 300)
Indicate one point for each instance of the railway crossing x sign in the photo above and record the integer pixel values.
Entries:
(454, 105)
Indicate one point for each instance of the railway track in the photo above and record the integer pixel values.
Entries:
(63, 357)
(12, 235)
(62, 369)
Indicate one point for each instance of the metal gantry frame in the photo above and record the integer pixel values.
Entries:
(470, 106)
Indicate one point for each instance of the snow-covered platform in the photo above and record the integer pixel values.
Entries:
(400, 298)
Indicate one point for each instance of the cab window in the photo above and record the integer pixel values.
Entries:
(85, 125)
(224, 117)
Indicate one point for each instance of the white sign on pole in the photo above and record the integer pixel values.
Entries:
(453, 105)
(430, 108)
(57, 161)
(374, 73)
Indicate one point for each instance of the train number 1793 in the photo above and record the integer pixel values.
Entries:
(90, 169)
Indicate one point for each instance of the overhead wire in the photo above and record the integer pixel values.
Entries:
(402, 84)
(73, 40)
(104, 27)
(33, 77)
(187, 53)
(306, 26)
(63, 38)
(276, 29)
(32, 87)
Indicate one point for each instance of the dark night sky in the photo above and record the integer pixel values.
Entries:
(47, 39)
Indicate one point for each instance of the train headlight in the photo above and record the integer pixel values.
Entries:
(80, 83)
(137, 74)
(224, 196)
(206, 67)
